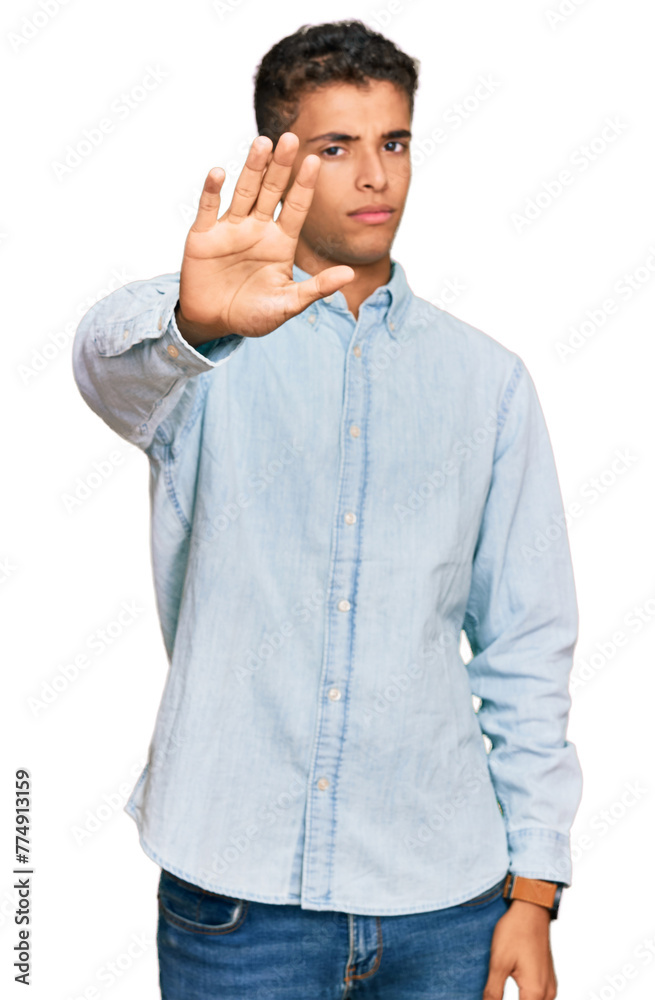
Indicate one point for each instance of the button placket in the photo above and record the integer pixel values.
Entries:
(341, 608)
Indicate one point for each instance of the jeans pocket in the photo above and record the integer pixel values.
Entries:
(487, 896)
(198, 910)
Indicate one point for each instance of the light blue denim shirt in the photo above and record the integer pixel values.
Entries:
(332, 506)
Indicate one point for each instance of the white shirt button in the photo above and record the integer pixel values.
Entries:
(311, 318)
(357, 351)
(126, 334)
(350, 518)
(323, 783)
(344, 605)
(172, 350)
(159, 324)
(334, 694)
(392, 326)
(354, 430)
(328, 298)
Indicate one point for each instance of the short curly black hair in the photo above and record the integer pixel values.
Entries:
(318, 54)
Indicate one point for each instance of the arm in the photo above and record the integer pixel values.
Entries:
(521, 621)
(132, 364)
(130, 361)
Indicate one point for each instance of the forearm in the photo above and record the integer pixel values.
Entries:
(131, 362)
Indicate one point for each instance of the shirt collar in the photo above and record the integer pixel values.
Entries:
(393, 298)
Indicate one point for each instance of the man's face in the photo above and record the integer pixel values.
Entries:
(370, 168)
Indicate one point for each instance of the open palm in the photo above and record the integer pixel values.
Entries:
(237, 270)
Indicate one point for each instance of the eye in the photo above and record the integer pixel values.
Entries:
(392, 142)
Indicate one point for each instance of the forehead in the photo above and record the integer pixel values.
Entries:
(375, 105)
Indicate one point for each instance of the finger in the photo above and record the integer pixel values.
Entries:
(210, 200)
(296, 203)
(250, 178)
(270, 156)
(495, 985)
(276, 176)
(324, 283)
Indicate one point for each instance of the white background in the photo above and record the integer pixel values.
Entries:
(122, 213)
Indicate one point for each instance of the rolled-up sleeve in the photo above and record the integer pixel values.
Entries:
(521, 621)
(131, 363)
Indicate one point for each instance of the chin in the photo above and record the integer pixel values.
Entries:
(368, 254)
(368, 249)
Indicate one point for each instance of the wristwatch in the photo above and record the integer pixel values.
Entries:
(534, 890)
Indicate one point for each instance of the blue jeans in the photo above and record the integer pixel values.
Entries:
(214, 947)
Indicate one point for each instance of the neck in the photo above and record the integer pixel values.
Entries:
(367, 278)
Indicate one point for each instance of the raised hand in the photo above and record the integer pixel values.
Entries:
(237, 270)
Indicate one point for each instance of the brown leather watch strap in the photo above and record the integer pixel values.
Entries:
(532, 890)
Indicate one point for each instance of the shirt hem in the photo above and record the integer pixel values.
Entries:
(292, 899)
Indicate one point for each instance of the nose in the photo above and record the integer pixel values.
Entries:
(371, 172)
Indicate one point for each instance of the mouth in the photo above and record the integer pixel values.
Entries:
(372, 215)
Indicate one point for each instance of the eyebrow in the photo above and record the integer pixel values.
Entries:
(399, 133)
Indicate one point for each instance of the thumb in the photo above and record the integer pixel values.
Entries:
(324, 283)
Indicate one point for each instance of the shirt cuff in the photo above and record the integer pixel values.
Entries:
(204, 356)
(158, 327)
(536, 852)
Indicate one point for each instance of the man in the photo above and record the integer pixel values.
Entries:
(343, 479)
